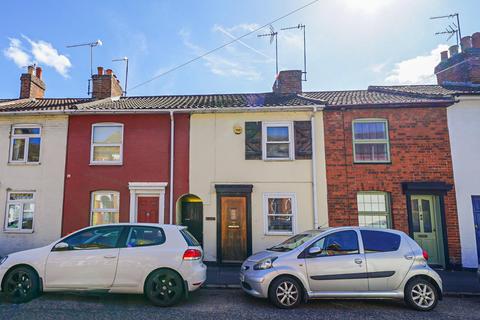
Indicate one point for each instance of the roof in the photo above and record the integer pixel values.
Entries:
(44, 104)
(432, 91)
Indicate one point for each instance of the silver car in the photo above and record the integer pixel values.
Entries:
(346, 262)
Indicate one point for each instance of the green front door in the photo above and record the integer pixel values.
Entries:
(425, 230)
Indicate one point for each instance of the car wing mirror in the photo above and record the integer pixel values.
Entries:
(61, 246)
(314, 250)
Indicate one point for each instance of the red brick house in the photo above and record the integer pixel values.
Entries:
(389, 165)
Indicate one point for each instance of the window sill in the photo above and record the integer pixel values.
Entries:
(277, 160)
(17, 231)
(106, 164)
(24, 163)
(279, 234)
(372, 162)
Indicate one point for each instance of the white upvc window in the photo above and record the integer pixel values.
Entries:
(374, 209)
(107, 144)
(25, 144)
(105, 207)
(280, 213)
(370, 141)
(20, 211)
(277, 141)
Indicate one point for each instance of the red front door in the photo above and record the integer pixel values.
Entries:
(147, 209)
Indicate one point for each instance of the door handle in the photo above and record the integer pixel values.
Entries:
(109, 257)
(358, 261)
(408, 257)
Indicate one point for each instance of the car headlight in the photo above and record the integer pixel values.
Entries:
(3, 259)
(264, 264)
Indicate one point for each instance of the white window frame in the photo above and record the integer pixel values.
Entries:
(371, 141)
(387, 213)
(291, 140)
(27, 137)
(92, 200)
(9, 202)
(278, 195)
(92, 144)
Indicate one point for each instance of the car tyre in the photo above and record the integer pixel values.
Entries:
(285, 292)
(421, 295)
(164, 288)
(21, 285)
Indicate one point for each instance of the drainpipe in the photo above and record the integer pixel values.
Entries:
(172, 158)
(314, 170)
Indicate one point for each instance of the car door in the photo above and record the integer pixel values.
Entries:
(339, 266)
(389, 258)
(89, 261)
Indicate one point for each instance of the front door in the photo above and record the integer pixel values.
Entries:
(147, 209)
(476, 219)
(233, 229)
(192, 217)
(424, 225)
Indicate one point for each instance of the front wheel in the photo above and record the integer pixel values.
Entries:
(421, 295)
(285, 292)
(164, 288)
(21, 285)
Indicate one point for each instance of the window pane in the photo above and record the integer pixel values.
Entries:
(14, 212)
(415, 216)
(105, 200)
(427, 218)
(277, 134)
(26, 131)
(280, 206)
(18, 152)
(280, 223)
(341, 243)
(106, 153)
(371, 152)
(33, 149)
(28, 210)
(370, 130)
(278, 150)
(145, 236)
(105, 218)
(98, 238)
(377, 241)
(107, 134)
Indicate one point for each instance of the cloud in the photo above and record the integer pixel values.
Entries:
(16, 53)
(418, 70)
(45, 53)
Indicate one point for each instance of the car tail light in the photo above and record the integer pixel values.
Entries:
(425, 254)
(192, 254)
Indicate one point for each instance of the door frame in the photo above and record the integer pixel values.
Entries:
(147, 189)
(233, 190)
(439, 189)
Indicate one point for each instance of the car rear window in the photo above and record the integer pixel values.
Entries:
(380, 241)
(189, 238)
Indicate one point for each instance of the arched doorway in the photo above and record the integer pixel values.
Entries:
(191, 215)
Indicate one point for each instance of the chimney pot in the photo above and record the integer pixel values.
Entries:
(476, 40)
(38, 72)
(109, 72)
(30, 69)
(453, 50)
(100, 71)
(466, 43)
(444, 55)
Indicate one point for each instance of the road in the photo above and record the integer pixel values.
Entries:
(225, 304)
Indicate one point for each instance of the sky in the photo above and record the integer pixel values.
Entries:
(351, 44)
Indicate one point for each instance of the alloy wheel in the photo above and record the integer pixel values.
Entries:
(287, 293)
(164, 288)
(18, 285)
(423, 295)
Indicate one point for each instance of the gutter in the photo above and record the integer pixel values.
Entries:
(314, 170)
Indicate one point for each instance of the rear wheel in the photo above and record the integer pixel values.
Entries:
(421, 295)
(164, 288)
(21, 285)
(285, 292)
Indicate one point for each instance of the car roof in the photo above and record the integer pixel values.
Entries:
(128, 224)
(332, 229)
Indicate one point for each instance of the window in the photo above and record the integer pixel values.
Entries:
(95, 238)
(379, 241)
(370, 141)
(145, 236)
(105, 207)
(338, 243)
(373, 209)
(107, 144)
(279, 210)
(20, 211)
(25, 144)
(189, 238)
(278, 141)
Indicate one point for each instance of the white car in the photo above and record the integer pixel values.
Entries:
(162, 261)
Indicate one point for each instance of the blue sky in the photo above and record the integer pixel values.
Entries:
(350, 43)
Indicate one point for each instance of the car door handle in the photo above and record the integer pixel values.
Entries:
(109, 257)
(358, 261)
(408, 257)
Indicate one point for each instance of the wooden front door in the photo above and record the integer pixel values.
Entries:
(233, 229)
(424, 223)
(147, 209)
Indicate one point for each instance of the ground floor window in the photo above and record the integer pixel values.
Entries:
(280, 212)
(20, 211)
(105, 207)
(373, 209)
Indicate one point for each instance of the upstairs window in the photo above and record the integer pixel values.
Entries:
(278, 141)
(20, 211)
(107, 143)
(370, 141)
(105, 207)
(25, 144)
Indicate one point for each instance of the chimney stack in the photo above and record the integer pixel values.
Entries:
(32, 85)
(461, 68)
(288, 82)
(105, 85)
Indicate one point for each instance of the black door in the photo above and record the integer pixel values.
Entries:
(192, 216)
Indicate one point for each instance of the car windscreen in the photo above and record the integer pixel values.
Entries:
(293, 242)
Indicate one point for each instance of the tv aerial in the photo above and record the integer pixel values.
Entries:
(273, 36)
(91, 45)
(302, 28)
(453, 29)
(124, 59)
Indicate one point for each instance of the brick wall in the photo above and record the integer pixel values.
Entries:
(420, 152)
